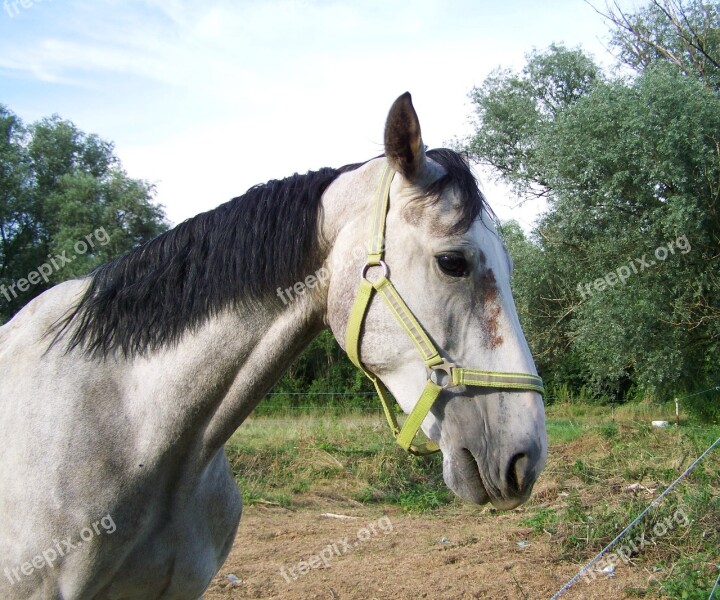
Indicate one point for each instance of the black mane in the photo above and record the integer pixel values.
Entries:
(242, 250)
(459, 176)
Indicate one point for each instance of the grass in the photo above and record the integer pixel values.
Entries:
(582, 500)
(678, 540)
(354, 457)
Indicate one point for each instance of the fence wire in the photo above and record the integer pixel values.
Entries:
(637, 519)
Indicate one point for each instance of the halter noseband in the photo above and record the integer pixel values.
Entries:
(441, 373)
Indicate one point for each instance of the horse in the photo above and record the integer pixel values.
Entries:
(120, 389)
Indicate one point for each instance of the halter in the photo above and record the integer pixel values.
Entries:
(441, 373)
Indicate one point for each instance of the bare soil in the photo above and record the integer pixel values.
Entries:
(455, 553)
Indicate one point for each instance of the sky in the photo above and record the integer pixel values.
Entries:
(207, 98)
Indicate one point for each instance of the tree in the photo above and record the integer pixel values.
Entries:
(512, 109)
(619, 283)
(66, 206)
(686, 35)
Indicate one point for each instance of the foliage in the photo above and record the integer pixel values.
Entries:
(59, 187)
(684, 34)
(512, 110)
(322, 375)
(618, 287)
(703, 407)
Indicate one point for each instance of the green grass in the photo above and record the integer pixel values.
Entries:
(564, 430)
(354, 457)
(581, 500)
(542, 520)
(614, 451)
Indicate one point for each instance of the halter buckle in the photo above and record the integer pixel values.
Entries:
(367, 266)
(442, 374)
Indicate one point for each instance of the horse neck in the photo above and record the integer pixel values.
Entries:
(205, 386)
(276, 337)
(233, 362)
(272, 339)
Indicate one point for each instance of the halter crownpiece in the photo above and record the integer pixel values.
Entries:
(441, 373)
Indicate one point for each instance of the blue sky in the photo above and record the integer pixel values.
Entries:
(205, 99)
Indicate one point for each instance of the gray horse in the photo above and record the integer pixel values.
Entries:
(119, 390)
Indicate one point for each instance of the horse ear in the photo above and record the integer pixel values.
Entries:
(403, 143)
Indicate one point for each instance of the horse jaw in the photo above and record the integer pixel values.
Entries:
(493, 464)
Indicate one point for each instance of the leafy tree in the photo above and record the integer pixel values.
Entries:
(631, 170)
(512, 110)
(16, 228)
(63, 193)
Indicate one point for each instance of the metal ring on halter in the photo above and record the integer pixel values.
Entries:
(367, 266)
(444, 381)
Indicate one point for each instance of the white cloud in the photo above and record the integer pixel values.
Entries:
(208, 98)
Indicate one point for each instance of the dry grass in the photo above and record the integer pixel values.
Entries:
(582, 500)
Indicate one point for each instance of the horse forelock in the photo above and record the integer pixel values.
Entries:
(458, 176)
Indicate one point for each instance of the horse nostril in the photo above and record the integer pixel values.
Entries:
(519, 469)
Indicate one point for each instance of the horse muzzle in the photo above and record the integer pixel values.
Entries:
(494, 457)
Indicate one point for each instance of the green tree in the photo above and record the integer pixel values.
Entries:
(638, 166)
(629, 166)
(513, 109)
(58, 186)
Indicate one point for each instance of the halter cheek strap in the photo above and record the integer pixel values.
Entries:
(441, 374)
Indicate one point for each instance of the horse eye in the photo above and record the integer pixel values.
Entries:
(454, 265)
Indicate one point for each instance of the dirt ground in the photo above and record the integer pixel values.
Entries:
(455, 553)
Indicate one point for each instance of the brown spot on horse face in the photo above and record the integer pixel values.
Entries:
(491, 308)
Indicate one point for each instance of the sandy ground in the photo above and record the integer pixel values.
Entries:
(452, 554)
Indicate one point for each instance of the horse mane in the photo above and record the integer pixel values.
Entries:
(458, 176)
(241, 251)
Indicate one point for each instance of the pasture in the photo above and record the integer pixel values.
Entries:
(410, 538)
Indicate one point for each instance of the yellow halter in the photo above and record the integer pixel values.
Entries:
(441, 373)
